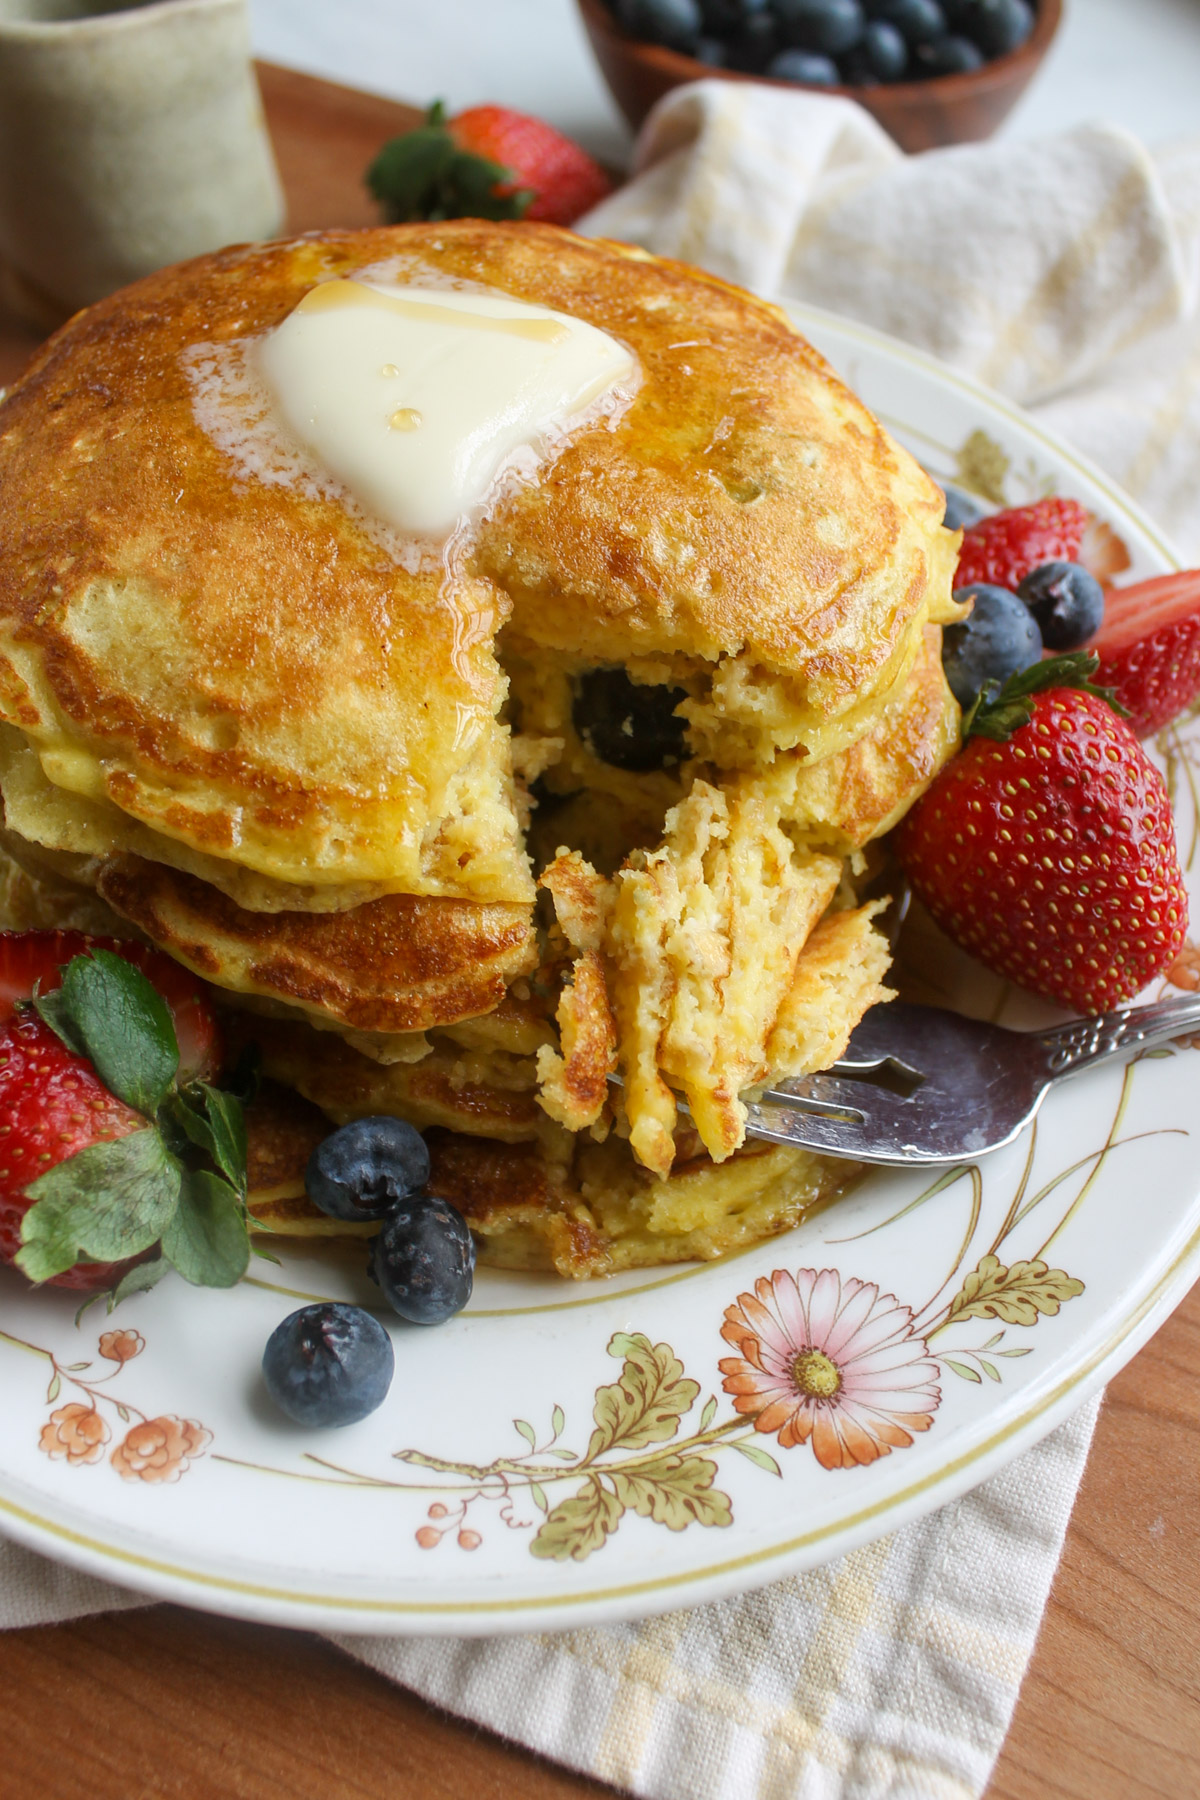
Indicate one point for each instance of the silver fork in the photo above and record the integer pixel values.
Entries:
(919, 1085)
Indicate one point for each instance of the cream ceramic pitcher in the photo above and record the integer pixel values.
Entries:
(131, 136)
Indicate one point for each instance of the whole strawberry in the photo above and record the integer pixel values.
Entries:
(1149, 648)
(53, 1105)
(486, 163)
(1047, 847)
(32, 962)
(118, 1160)
(1004, 547)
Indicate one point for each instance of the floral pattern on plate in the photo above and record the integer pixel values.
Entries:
(153, 1449)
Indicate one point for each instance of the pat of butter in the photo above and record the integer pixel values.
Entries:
(415, 398)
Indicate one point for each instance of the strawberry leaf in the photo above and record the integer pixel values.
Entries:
(214, 1121)
(108, 1011)
(206, 1238)
(111, 1201)
(54, 1011)
(138, 1280)
(424, 174)
(997, 713)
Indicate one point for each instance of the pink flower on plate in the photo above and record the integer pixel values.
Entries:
(829, 1359)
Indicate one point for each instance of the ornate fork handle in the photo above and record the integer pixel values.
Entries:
(1085, 1042)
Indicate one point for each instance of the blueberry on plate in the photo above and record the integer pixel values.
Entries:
(365, 1168)
(999, 637)
(625, 724)
(710, 51)
(827, 26)
(424, 1260)
(805, 67)
(677, 24)
(948, 56)
(917, 21)
(998, 27)
(328, 1364)
(1066, 600)
(962, 509)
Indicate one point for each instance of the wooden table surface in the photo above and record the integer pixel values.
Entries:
(168, 1703)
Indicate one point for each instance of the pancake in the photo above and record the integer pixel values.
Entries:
(262, 674)
(328, 766)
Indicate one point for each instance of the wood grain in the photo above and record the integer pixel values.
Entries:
(171, 1704)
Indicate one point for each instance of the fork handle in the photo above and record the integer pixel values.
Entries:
(1085, 1042)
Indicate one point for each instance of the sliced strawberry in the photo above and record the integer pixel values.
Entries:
(1004, 547)
(34, 960)
(52, 1105)
(1149, 648)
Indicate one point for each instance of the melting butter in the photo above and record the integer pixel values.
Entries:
(416, 398)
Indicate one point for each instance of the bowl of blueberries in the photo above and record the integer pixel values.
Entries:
(930, 71)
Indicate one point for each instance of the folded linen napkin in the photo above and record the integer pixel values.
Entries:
(1065, 274)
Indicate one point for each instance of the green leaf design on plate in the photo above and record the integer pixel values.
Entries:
(110, 1201)
(983, 466)
(646, 1402)
(762, 1459)
(1018, 1294)
(207, 1240)
(579, 1525)
(963, 1369)
(674, 1491)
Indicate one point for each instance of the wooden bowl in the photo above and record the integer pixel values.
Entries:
(920, 115)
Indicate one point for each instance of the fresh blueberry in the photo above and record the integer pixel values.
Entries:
(997, 27)
(424, 1260)
(364, 1169)
(627, 725)
(827, 26)
(676, 24)
(999, 637)
(855, 70)
(720, 17)
(1066, 600)
(753, 44)
(328, 1364)
(805, 67)
(917, 21)
(961, 509)
(948, 56)
(710, 51)
(883, 50)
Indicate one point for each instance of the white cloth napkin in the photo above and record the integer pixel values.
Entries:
(1065, 274)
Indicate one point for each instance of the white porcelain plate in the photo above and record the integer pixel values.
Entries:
(566, 1454)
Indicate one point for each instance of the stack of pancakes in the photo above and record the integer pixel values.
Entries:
(342, 777)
